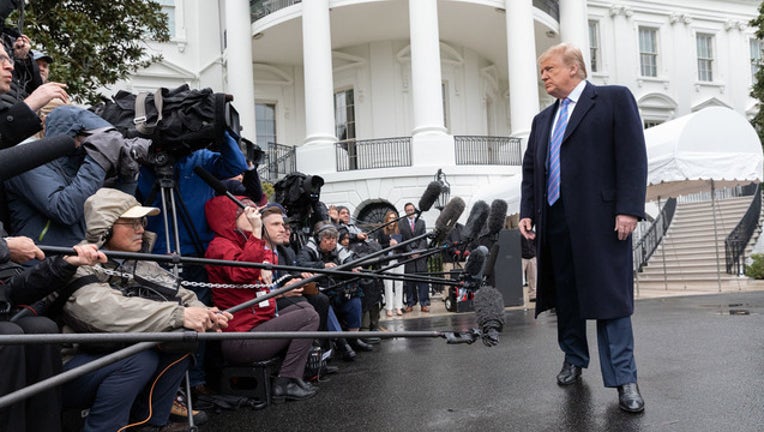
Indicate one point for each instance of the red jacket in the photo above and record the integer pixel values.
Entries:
(232, 244)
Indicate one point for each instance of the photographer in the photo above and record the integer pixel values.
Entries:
(46, 203)
(323, 252)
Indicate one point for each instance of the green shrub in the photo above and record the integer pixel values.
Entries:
(756, 269)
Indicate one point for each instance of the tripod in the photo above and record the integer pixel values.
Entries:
(174, 212)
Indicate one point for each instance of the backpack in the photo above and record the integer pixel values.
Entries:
(178, 121)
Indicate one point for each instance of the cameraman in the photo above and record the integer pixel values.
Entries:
(191, 194)
(46, 203)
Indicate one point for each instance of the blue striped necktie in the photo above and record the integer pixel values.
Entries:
(553, 180)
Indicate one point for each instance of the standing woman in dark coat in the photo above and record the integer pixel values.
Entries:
(584, 190)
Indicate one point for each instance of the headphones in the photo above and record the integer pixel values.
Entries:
(325, 227)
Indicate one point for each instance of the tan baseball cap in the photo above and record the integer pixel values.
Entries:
(104, 207)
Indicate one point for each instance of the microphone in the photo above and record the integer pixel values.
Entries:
(497, 216)
(446, 220)
(489, 312)
(476, 220)
(23, 157)
(476, 263)
(217, 185)
(429, 196)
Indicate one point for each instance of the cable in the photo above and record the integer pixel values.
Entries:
(151, 394)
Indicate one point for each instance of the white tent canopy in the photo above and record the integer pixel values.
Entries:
(507, 190)
(714, 144)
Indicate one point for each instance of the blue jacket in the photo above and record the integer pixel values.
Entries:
(47, 203)
(194, 193)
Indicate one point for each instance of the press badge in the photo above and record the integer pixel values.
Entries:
(264, 303)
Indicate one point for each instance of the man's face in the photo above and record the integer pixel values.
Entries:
(127, 235)
(410, 210)
(6, 71)
(345, 216)
(275, 228)
(559, 79)
(44, 70)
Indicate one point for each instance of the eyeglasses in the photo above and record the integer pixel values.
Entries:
(5, 59)
(135, 223)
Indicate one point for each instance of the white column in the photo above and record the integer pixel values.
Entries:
(318, 150)
(431, 145)
(521, 59)
(239, 72)
(574, 26)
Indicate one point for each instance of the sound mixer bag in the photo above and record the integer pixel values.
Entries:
(177, 121)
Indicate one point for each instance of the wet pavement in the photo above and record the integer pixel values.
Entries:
(700, 361)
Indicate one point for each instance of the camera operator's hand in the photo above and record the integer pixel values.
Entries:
(105, 147)
(86, 255)
(198, 319)
(45, 93)
(21, 47)
(23, 249)
(219, 319)
(132, 152)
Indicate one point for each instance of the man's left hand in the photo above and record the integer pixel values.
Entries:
(625, 225)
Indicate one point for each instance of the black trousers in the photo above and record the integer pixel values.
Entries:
(23, 365)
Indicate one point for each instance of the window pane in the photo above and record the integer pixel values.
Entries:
(755, 57)
(594, 45)
(344, 114)
(648, 51)
(705, 57)
(265, 122)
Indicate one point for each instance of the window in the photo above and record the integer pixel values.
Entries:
(705, 46)
(756, 47)
(168, 7)
(444, 95)
(594, 45)
(648, 52)
(344, 115)
(265, 122)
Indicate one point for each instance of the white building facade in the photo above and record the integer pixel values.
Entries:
(376, 96)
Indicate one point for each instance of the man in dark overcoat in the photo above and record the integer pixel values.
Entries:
(584, 183)
(411, 226)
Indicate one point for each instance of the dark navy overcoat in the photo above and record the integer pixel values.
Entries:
(603, 168)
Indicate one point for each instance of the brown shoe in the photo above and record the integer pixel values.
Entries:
(425, 308)
(408, 309)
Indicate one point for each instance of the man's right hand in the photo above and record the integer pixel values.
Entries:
(46, 93)
(197, 319)
(23, 249)
(526, 228)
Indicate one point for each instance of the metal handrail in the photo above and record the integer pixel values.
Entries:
(373, 153)
(261, 8)
(278, 161)
(649, 242)
(737, 240)
(487, 150)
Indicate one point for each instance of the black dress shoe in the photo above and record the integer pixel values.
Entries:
(629, 398)
(305, 385)
(360, 345)
(372, 340)
(345, 351)
(568, 374)
(288, 389)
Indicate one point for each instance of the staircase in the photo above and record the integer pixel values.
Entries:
(688, 249)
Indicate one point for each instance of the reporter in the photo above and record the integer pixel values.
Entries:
(151, 301)
(249, 235)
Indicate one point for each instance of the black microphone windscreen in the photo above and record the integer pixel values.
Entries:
(447, 220)
(489, 308)
(208, 178)
(429, 196)
(497, 216)
(491, 262)
(23, 157)
(476, 262)
(476, 220)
